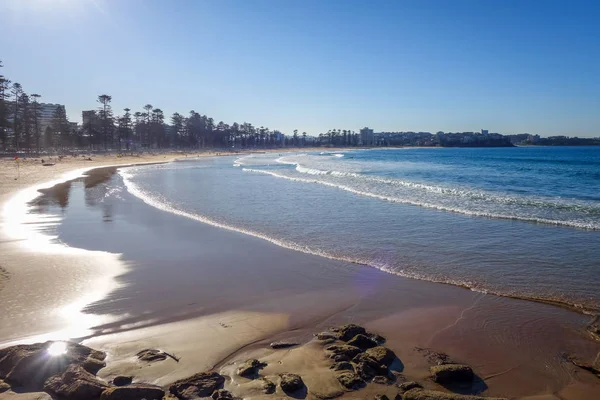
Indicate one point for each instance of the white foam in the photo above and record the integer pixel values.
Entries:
(569, 223)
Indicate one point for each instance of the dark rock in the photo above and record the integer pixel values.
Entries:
(350, 380)
(283, 345)
(382, 380)
(450, 373)
(75, 384)
(250, 368)
(122, 380)
(339, 357)
(381, 397)
(433, 357)
(326, 336)
(376, 338)
(368, 367)
(594, 331)
(30, 365)
(406, 386)
(422, 394)
(199, 385)
(133, 392)
(4, 386)
(342, 366)
(347, 332)
(328, 341)
(365, 371)
(268, 386)
(222, 394)
(290, 383)
(362, 342)
(382, 355)
(151, 355)
(344, 349)
(585, 366)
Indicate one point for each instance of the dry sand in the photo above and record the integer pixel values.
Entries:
(516, 361)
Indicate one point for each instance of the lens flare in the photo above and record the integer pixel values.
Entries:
(57, 349)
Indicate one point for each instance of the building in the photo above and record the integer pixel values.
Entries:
(88, 117)
(279, 138)
(367, 138)
(485, 131)
(46, 112)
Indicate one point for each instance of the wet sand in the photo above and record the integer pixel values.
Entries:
(231, 294)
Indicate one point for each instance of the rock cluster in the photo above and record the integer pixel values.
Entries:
(68, 370)
(360, 359)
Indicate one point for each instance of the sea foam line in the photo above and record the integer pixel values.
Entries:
(391, 199)
(469, 194)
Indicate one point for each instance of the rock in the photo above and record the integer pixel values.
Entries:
(283, 345)
(222, 394)
(4, 386)
(367, 367)
(422, 394)
(376, 338)
(347, 332)
(30, 365)
(122, 380)
(362, 342)
(594, 331)
(290, 383)
(365, 371)
(326, 336)
(381, 397)
(268, 386)
(133, 392)
(342, 366)
(406, 386)
(433, 357)
(250, 368)
(339, 358)
(382, 355)
(199, 385)
(350, 380)
(585, 366)
(151, 355)
(450, 373)
(75, 384)
(382, 380)
(344, 350)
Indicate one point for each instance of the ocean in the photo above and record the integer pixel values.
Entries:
(521, 222)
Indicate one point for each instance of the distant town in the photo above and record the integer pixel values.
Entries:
(28, 125)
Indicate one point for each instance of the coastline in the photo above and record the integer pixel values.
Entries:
(294, 318)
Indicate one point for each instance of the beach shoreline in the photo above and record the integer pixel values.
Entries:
(298, 316)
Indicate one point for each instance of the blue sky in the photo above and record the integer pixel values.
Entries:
(507, 66)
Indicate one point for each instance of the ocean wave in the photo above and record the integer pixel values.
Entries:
(458, 192)
(159, 203)
(479, 213)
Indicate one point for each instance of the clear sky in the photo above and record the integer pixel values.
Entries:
(452, 65)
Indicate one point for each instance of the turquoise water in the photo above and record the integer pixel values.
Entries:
(513, 221)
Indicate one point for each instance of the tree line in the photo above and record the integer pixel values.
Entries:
(21, 128)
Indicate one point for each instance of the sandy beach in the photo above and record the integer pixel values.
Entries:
(237, 294)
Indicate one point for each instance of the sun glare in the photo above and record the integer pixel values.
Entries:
(57, 349)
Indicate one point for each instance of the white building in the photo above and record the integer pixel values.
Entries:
(367, 138)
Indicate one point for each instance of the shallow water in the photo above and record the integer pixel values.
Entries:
(520, 222)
